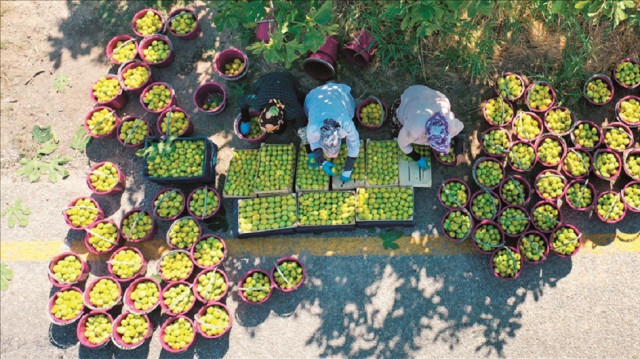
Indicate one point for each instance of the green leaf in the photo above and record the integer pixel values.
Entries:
(41, 134)
(80, 139)
(581, 4)
(61, 82)
(390, 245)
(324, 13)
(6, 274)
(313, 40)
(48, 148)
(17, 214)
(157, 277)
(389, 239)
(34, 168)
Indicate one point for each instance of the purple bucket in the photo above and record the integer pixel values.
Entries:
(52, 302)
(155, 211)
(117, 102)
(172, 102)
(517, 120)
(86, 296)
(129, 66)
(525, 184)
(558, 220)
(604, 79)
(205, 90)
(530, 88)
(148, 236)
(116, 338)
(625, 156)
(212, 214)
(504, 75)
(165, 308)
(619, 117)
(140, 14)
(111, 46)
(514, 235)
(561, 108)
(486, 117)
(611, 221)
(444, 231)
(482, 223)
(484, 148)
(559, 140)
(119, 131)
(360, 49)
(589, 160)
(264, 29)
(236, 129)
(187, 131)
(592, 124)
(116, 124)
(498, 206)
(166, 346)
(202, 312)
(597, 171)
(82, 328)
(227, 56)
(620, 126)
(613, 72)
(274, 270)
(546, 249)
(241, 284)
(441, 192)
(130, 303)
(547, 173)
(514, 250)
(84, 271)
(321, 65)
(199, 296)
(514, 164)
(573, 206)
(624, 199)
(139, 273)
(146, 42)
(190, 35)
(577, 247)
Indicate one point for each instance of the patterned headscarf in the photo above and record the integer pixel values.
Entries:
(437, 129)
(272, 116)
(330, 138)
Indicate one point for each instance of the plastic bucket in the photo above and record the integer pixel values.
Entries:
(116, 122)
(264, 29)
(366, 102)
(202, 312)
(321, 65)
(545, 253)
(117, 102)
(132, 65)
(119, 131)
(168, 239)
(140, 14)
(606, 79)
(117, 339)
(497, 208)
(444, 231)
(545, 173)
(596, 170)
(166, 346)
(558, 220)
(172, 102)
(241, 285)
(613, 72)
(494, 145)
(514, 165)
(622, 127)
(619, 117)
(562, 108)
(624, 199)
(159, 266)
(486, 117)
(146, 42)
(527, 189)
(588, 162)
(592, 124)
(130, 304)
(625, 157)
(82, 327)
(92, 284)
(360, 49)
(99, 216)
(91, 248)
(140, 272)
(84, 271)
(475, 168)
(227, 56)
(514, 250)
(482, 223)
(505, 74)
(215, 211)
(204, 91)
(528, 91)
(521, 208)
(155, 198)
(199, 297)
(593, 191)
(275, 269)
(204, 237)
(186, 132)
(559, 140)
(165, 308)
(577, 247)
(517, 120)
(624, 210)
(149, 235)
(111, 46)
(236, 128)
(119, 186)
(441, 192)
(52, 302)
(191, 35)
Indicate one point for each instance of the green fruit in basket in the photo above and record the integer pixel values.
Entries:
(449, 157)
(377, 204)
(124, 51)
(255, 130)
(276, 168)
(382, 162)
(514, 192)
(132, 328)
(497, 111)
(256, 287)
(103, 236)
(176, 266)
(610, 206)
(136, 225)
(457, 224)
(179, 298)
(169, 204)
(211, 286)
(580, 195)
(522, 156)
(546, 217)
(67, 270)
(550, 186)
(102, 122)
(586, 135)
(526, 127)
(242, 172)
(550, 151)
(577, 163)
(630, 110)
(67, 305)
(533, 247)
(632, 195)
(135, 77)
(633, 165)
(540, 97)
(513, 220)
(157, 98)
(209, 252)
(134, 131)
(598, 91)
(185, 159)
(482, 208)
(98, 328)
(489, 173)
(105, 177)
(616, 138)
(179, 334)
(496, 142)
(145, 295)
(234, 68)
(454, 193)
(606, 164)
(184, 232)
(288, 275)
(125, 264)
(82, 213)
(565, 240)
(359, 168)
(149, 24)
(157, 51)
(183, 23)
(509, 86)
(308, 178)
(214, 321)
(174, 123)
(204, 202)
(372, 114)
(487, 237)
(266, 213)
(326, 208)
(628, 73)
(106, 89)
(559, 120)
(104, 294)
(506, 263)
(212, 101)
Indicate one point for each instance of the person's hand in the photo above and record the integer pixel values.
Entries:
(422, 163)
(346, 176)
(327, 167)
(312, 160)
(245, 127)
(460, 159)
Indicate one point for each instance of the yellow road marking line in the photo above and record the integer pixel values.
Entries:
(416, 245)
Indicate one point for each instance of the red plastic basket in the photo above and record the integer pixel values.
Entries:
(559, 140)
(607, 80)
(99, 216)
(367, 101)
(517, 274)
(471, 228)
(159, 265)
(453, 180)
(52, 302)
(118, 187)
(226, 56)
(155, 198)
(117, 339)
(140, 14)
(596, 170)
(624, 199)
(504, 75)
(111, 46)
(577, 247)
(117, 102)
(497, 208)
(624, 210)
(191, 35)
(530, 88)
(241, 285)
(482, 223)
(619, 105)
(130, 304)
(588, 162)
(202, 312)
(215, 211)
(204, 237)
(573, 206)
(82, 328)
(495, 146)
(84, 271)
(517, 120)
(116, 122)
(202, 299)
(92, 284)
(558, 220)
(119, 131)
(147, 41)
(561, 108)
(545, 253)
(613, 72)
(165, 308)
(491, 123)
(91, 248)
(275, 269)
(166, 346)
(172, 102)
(140, 272)
(592, 124)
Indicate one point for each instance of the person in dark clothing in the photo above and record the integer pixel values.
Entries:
(278, 97)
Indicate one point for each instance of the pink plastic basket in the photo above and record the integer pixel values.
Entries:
(172, 102)
(577, 247)
(204, 237)
(527, 189)
(562, 108)
(166, 346)
(116, 122)
(132, 65)
(514, 164)
(140, 14)
(241, 285)
(613, 72)
(139, 273)
(452, 180)
(147, 41)
(117, 339)
(482, 223)
(624, 199)
(549, 173)
(185, 133)
(559, 140)
(119, 131)
(505, 74)
(117, 102)
(275, 269)
(118, 187)
(475, 167)
(227, 56)
(498, 206)
(545, 253)
(82, 327)
(530, 88)
(159, 270)
(91, 248)
(165, 308)
(619, 105)
(236, 128)
(588, 162)
(52, 302)
(149, 235)
(204, 91)
(99, 216)
(622, 127)
(514, 250)
(596, 170)
(199, 297)
(444, 231)
(592, 124)
(111, 46)
(215, 211)
(130, 304)
(590, 186)
(524, 210)
(491, 123)
(168, 239)
(624, 210)
(191, 35)
(368, 101)
(155, 198)
(495, 146)
(92, 284)
(625, 156)
(606, 79)
(84, 271)
(517, 120)
(559, 219)
(202, 312)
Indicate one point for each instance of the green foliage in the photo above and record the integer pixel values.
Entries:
(80, 139)
(61, 82)
(160, 148)
(43, 134)
(389, 239)
(35, 167)
(17, 214)
(6, 274)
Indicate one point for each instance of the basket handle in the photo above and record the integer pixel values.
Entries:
(284, 277)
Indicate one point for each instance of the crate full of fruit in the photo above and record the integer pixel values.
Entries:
(334, 210)
(309, 179)
(382, 163)
(358, 174)
(276, 169)
(242, 173)
(180, 160)
(385, 206)
(267, 215)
